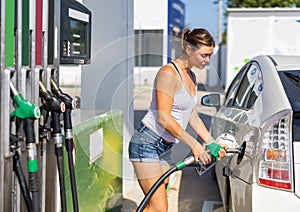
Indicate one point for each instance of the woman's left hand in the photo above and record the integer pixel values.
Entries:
(222, 152)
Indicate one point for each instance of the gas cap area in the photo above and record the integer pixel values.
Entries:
(240, 152)
(228, 140)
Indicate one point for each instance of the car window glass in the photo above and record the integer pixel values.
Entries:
(255, 91)
(234, 87)
(250, 88)
(296, 127)
(291, 84)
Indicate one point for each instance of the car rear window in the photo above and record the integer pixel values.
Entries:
(291, 83)
(296, 128)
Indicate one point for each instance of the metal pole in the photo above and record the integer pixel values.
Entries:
(220, 24)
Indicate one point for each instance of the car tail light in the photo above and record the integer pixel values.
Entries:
(275, 167)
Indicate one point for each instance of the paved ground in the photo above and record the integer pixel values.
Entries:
(189, 192)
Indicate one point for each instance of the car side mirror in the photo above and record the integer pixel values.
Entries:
(211, 100)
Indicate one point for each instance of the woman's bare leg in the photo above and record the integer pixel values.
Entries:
(166, 168)
(148, 174)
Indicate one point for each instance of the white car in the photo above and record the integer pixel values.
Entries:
(261, 116)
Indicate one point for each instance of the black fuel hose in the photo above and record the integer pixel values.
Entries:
(17, 168)
(69, 148)
(57, 139)
(69, 142)
(181, 165)
(68, 139)
(32, 163)
(56, 107)
(27, 112)
(178, 166)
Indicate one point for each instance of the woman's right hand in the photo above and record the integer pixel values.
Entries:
(199, 153)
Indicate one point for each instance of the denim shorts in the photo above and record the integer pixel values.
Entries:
(146, 146)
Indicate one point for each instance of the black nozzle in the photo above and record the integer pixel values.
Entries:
(29, 130)
(239, 150)
(62, 96)
(51, 102)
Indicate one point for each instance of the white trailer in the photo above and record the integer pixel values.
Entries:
(251, 32)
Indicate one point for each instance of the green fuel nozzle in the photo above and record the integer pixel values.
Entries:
(214, 149)
(25, 109)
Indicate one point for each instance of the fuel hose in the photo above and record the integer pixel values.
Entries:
(178, 166)
(212, 147)
(28, 113)
(68, 139)
(32, 164)
(56, 107)
(57, 139)
(17, 167)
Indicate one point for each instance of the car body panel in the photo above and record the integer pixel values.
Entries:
(296, 148)
(266, 199)
(244, 125)
(236, 125)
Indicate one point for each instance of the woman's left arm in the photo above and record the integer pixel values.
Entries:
(198, 126)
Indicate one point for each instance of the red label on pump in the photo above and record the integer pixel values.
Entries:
(62, 107)
(38, 32)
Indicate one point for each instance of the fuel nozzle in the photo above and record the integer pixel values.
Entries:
(213, 150)
(51, 102)
(237, 150)
(25, 109)
(62, 96)
(68, 137)
(68, 101)
(28, 112)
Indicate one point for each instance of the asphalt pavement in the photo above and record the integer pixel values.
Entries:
(189, 192)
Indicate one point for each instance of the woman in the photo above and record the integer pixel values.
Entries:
(173, 106)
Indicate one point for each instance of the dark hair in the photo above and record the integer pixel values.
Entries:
(196, 38)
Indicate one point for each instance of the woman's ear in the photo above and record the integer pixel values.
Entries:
(188, 50)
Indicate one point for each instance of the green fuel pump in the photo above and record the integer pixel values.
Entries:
(28, 112)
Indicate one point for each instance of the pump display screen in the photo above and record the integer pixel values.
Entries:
(76, 45)
(75, 33)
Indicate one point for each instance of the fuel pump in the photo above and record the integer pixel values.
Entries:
(69, 143)
(56, 107)
(27, 112)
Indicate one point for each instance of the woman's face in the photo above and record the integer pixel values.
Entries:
(201, 56)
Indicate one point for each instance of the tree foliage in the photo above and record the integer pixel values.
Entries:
(262, 3)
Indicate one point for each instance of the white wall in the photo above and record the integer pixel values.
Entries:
(149, 14)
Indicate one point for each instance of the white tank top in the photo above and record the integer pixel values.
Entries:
(181, 110)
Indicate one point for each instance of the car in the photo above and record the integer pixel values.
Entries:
(259, 117)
